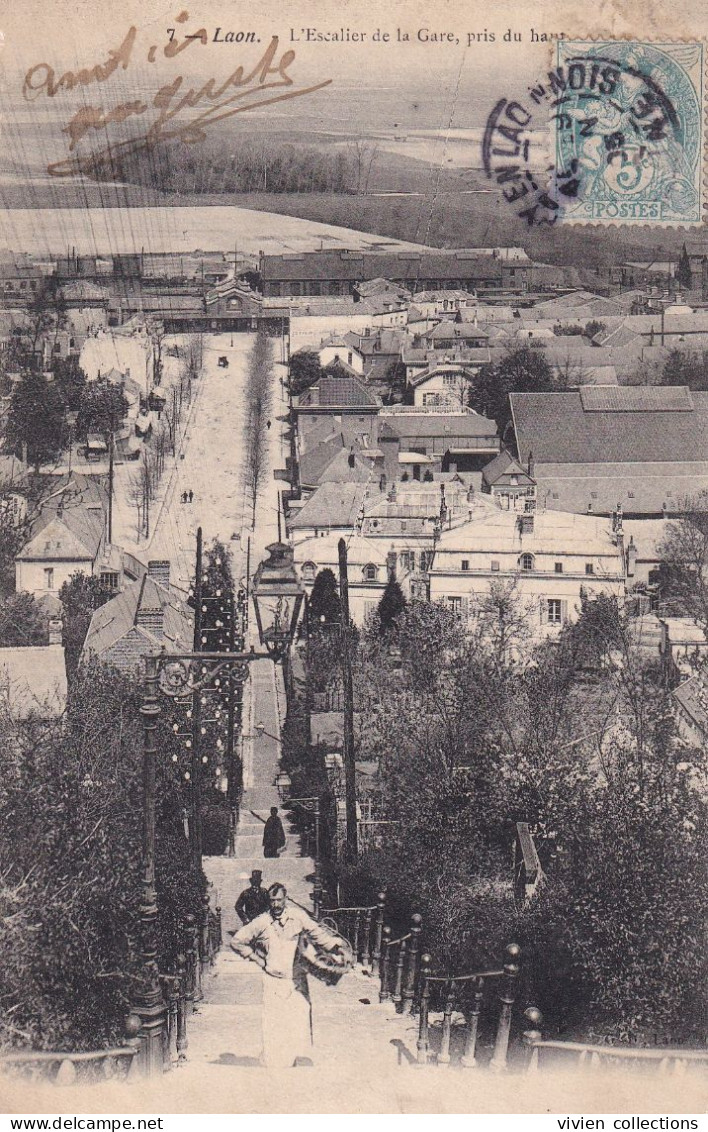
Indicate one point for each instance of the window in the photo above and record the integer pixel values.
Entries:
(529, 506)
(110, 580)
(465, 564)
(554, 608)
(370, 573)
(589, 568)
(558, 567)
(450, 380)
(455, 604)
(495, 566)
(308, 571)
(404, 524)
(49, 578)
(527, 562)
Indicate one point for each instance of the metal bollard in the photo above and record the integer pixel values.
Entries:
(423, 1041)
(412, 968)
(507, 997)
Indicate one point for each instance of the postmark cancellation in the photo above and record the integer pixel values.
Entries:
(627, 132)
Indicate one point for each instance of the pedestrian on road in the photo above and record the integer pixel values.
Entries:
(191, 495)
(273, 941)
(184, 496)
(267, 424)
(273, 834)
(253, 901)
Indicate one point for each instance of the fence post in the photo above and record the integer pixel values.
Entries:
(422, 1044)
(397, 995)
(469, 1059)
(507, 997)
(380, 910)
(131, 1028)
(384, 992)
(366, 948)
(204, 940)
(412, 971)
(444, 1055)
(182, 1040)
(530, 1037)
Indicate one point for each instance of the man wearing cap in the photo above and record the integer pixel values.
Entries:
(253, 900)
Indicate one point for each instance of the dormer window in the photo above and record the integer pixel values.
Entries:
(527, 562)
(308, 571)
(370, 572)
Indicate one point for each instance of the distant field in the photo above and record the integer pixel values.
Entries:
(445, 212)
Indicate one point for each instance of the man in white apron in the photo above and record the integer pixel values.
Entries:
(271, 941)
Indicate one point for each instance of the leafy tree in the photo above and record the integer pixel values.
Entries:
(684, 561)
(102, 407)
(36, 420)
(395, 378)
(324, 608)
(305, 370)
(72, 869)
(335, 369)
(80, 596)
(71, 380)
(391, 605)
(523, 370)
(259, 398)
(567, 329)
(593, 328)
(22, 622)
(686, 367)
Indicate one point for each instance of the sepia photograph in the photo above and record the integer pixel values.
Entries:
(353, 562)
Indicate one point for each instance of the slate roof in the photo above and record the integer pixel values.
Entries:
(34, 680)
(495, 529)
(557, 429)
(642, 488)
(315, 460)
(74, 535)
(692, 697)
(409, 425)
(504, 465)
(337, 393)
(357, 266)
(334, 504)
(119, 616)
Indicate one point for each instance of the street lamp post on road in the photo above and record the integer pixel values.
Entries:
(177, 676)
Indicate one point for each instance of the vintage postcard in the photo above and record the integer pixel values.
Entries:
(354, 560)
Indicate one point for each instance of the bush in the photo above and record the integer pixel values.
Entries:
(216, 818)
(70, 842)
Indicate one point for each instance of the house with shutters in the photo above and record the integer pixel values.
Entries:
(149, 616)
(549, 559)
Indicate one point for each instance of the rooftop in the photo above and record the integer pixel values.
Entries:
(34, 680)
(611, 425)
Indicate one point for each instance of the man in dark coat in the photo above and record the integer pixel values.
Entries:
(273, 834)
(253, 900)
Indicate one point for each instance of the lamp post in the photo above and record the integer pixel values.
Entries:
(277, 601)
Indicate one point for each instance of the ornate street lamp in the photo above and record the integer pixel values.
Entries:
(278, 595)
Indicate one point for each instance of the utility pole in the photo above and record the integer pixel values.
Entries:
(197, 711)
(349, 765)
(110, 488)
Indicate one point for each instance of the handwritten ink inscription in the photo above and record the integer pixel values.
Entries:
(176, 110)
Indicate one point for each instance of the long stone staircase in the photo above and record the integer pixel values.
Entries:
(365, 1050)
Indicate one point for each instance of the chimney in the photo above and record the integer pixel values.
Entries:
(590, 509)
(631, 557)
(391, 562)
(382, 482)
(531, 466)
(351, 460)
(159, 571)
(392, 497)
(55, 631)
